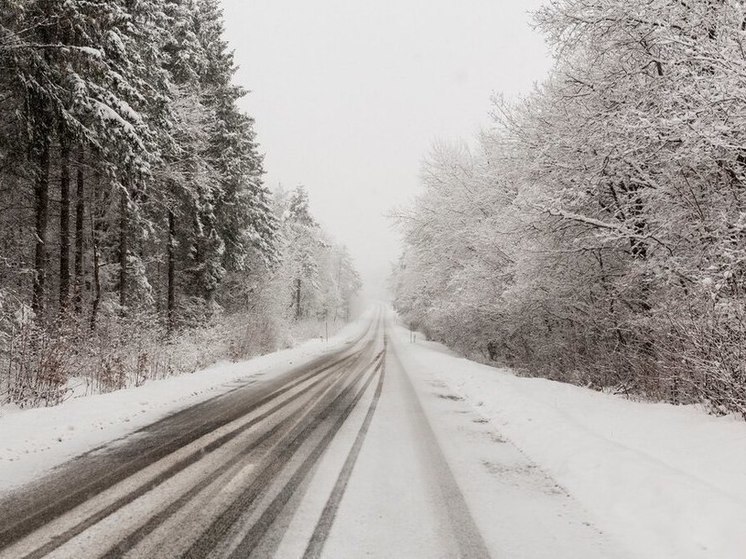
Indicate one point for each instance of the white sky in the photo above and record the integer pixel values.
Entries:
(349, 95)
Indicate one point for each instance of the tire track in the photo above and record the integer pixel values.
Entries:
(466, 534)
(325, 522)
(25, 504)
(184, 463)
(261, 527)
(154, 522)
(243, 504)
(331, 383)
(48, 511)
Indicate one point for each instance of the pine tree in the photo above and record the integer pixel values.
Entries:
(120, 120)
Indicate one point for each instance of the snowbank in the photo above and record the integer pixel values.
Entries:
(668, 481)
(32, 441)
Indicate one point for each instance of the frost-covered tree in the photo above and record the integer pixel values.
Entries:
(598, 237)
(227, 218)
(346, 281)
(302, 243)
(130, 182)
(316, 276)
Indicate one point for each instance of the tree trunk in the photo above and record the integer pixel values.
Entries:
(171, 268)
(41, 211)
(64, 223)
(123, 249)
(96, 277)
(79, 232)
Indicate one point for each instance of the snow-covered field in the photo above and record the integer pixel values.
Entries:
(665, 481)
(32, 441)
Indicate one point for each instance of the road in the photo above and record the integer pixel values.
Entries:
(333, 458)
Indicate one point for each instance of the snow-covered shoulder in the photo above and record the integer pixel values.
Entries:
(667, 481)
(33, 441)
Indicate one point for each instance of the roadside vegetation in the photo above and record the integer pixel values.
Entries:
(596, 234)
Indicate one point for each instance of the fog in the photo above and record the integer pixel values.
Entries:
(349, 96)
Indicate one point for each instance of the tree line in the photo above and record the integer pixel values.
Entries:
(132, 201)
(596, 234)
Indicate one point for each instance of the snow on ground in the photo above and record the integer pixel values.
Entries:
(32, 441)
(665, 481)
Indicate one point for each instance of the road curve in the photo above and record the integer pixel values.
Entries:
(228, 477)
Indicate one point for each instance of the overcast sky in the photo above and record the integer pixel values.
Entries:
(348, 96)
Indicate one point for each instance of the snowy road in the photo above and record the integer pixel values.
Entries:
(345, 456)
